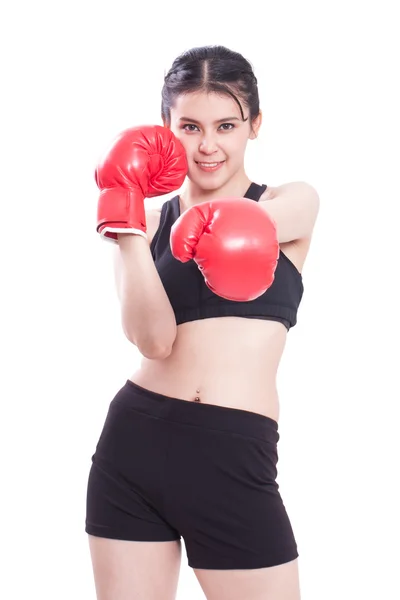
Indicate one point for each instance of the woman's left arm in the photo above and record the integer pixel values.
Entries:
(294, 207)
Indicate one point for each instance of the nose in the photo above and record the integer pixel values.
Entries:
(208, 145)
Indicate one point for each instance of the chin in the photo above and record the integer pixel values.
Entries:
(209, 183)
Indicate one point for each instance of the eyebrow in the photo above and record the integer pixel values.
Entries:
(218, 121)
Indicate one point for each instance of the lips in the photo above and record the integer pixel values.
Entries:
(208, 165)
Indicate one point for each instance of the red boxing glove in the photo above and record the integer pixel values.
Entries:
(234, 243)
(142, 162)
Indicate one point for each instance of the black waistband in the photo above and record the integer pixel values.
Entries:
(200, 414)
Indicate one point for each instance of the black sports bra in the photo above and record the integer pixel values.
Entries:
(189, 295)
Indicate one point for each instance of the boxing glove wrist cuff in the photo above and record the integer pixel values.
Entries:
(121, 211)
(110, 234)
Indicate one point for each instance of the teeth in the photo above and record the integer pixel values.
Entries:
(208, 164)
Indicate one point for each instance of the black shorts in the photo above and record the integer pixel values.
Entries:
(166, 468)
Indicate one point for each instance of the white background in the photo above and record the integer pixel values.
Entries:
(73, 75)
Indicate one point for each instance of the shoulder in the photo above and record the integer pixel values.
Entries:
(297, 189)
(295, 207)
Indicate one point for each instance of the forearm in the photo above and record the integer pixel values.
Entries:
(146, 312)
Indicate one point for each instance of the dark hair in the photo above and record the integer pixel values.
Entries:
(211, 69)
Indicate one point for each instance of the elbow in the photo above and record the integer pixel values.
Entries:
(153, 349)
(156, 351)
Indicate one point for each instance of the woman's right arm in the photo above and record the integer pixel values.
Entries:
(147, 317)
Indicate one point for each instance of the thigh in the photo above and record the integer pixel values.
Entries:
(224, 500)
(272, 583)
(125, 570)
(124, 493)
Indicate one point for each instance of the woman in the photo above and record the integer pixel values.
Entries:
(189, 446)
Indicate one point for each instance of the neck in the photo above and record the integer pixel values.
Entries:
(193, 194)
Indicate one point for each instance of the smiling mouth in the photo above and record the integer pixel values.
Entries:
(209, 164)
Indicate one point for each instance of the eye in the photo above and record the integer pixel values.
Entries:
(188, 125)
(227, 126)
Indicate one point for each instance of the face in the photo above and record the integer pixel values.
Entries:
(212, 131)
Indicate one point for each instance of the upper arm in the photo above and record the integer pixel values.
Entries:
(152, 222)
(294, 207)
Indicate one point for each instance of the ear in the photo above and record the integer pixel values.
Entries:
(256, 124)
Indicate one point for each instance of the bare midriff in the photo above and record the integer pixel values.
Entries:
(226, 361)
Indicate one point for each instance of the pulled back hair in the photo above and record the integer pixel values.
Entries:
(211, 69)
